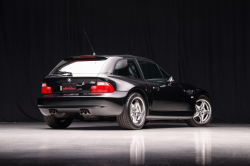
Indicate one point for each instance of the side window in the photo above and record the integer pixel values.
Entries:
(165, 74)
(126, 68)
(150, 71)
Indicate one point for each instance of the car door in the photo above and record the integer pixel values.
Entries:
(166, 96)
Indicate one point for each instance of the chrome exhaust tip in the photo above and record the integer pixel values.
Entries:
(84, 112)
(52, 111)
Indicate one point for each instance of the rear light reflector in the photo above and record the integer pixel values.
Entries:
(102, 87)
(46, 89)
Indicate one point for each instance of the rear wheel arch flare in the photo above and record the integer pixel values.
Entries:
(144, 95)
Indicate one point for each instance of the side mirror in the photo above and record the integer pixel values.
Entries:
(171, 79)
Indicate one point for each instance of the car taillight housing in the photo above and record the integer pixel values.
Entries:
(46, 89)
(102, 87)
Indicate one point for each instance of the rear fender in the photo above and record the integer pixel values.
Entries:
(148, 99)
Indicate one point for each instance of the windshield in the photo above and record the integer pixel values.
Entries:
(78, 68)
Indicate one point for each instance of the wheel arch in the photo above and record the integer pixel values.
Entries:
(144, 95)
(200, 92)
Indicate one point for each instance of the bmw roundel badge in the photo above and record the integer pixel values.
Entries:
(69, 79)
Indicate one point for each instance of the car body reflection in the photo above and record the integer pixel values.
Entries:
(137, 150)
(203, 147)
(140, 145)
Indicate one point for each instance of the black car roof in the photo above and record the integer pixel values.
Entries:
(107, 56)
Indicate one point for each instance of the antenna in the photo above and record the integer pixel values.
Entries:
(89, 43)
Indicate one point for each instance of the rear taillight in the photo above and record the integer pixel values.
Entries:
(102, 87)
(46, 89)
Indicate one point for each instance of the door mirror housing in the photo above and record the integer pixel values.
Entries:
(171, 79)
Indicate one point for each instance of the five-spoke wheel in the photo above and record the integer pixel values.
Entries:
(134, 112)
(137, 111)
(203, 112)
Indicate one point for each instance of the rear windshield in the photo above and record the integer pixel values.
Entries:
(78, 68)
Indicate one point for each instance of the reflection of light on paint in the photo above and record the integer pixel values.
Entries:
(137, 151)
(203, 147)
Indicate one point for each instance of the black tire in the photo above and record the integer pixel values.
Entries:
(124, 120)
(57, 123)
(193, 123)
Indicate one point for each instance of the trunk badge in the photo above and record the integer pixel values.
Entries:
(69, 79)
(83, 83)
(92, 82)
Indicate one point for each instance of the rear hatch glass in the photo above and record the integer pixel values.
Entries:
(78, 68)
(74, 76)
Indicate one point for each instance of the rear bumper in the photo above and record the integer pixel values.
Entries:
(105, 104)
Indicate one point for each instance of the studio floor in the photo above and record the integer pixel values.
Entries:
(105, 143)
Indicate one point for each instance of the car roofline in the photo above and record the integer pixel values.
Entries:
(108, 56)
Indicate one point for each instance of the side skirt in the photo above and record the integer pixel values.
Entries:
(171, 113)
(151, 117)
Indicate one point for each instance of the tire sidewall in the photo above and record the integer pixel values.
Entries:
(56, 123)
(129, 101)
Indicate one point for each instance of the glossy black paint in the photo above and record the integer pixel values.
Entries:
(97, 104)
(162, 99)
(167, 96)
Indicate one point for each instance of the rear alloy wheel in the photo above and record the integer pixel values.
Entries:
(134, 113)
(57, 123)
(203, 114)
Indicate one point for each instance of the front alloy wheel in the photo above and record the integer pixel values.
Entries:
(203, 114)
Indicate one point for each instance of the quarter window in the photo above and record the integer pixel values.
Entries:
(126, 68)
(150, 71)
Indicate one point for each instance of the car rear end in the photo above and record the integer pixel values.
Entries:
(81, 85)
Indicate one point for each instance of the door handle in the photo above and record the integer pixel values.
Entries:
(156, 88)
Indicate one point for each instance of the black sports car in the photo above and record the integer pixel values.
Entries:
(132, 89)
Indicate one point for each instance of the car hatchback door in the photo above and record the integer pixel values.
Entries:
(166, 96)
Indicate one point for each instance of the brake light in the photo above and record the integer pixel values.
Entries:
(46, 89)
(102, 87)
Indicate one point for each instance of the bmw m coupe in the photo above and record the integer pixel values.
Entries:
(132, 89)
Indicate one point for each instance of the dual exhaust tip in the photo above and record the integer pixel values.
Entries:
(52, 111)
(82, 111)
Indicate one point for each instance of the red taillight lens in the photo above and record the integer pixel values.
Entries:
(102, 87)
(46, 89)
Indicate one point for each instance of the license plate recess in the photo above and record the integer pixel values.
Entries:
(69, 87)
